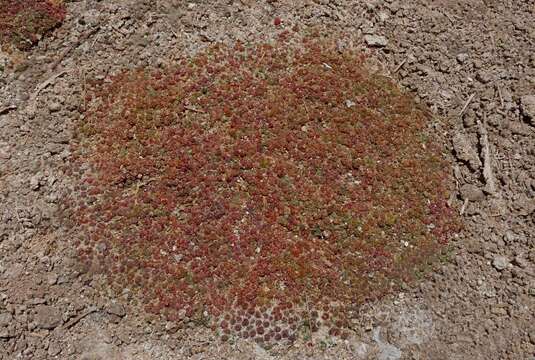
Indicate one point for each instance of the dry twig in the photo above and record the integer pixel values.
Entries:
(466, 104)
(463, 208)
(191, 108)
(485, 153)
(77, 319)
(400, 65)
(500, 95)
(77, 43)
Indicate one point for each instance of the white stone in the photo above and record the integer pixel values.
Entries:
(500, 262)
(375, 40)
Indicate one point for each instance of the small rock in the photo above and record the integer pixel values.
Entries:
(101, 247)
(386, 350)
(462, 57)
(483, 77)
(527, 104)
(4, 334)
(472, 193)
(5, 319)
(383, 16)
(52, 279)
(47, 317)
(498, 310)
(54, 349)
(350, 103)
(116, 309)
(37, 301)
(500, 262)
(54, 106)
(99, 352)
(424, 70)
(520, 262)
(465, 152)
(494, 120)
(54, 148)
(34, 182)
(519, 128)
(525, 205)
(32, 326)
(361, 350)
(375, 40)
(123, 335)
(469, 120)
(171, 327)
(114, 319)
(510, 237)
(4, 153)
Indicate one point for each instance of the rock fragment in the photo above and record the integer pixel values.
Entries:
(527, 105)
(465, 152)
(116, 309)
(4, 151)
(483, 77)
(520, 262)
(5, 319)
(375, 40)
(462, 57)
(35, 182)
(47, 317)
(500, 262)
(54, 106)
(54, 349)
(472, 192)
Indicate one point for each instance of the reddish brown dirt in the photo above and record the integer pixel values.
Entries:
(471, 62)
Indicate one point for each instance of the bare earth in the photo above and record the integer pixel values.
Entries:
(471, 61)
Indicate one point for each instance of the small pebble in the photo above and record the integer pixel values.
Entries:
(116, 309)
(375, 40)
(472, 193)
(500, 262)
(54, 106)
(462, 57)
(52, 279)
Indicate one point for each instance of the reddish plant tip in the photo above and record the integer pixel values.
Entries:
(262, 182)
(24, 22)
(277, 21)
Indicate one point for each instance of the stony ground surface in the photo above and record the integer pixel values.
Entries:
(472, 62)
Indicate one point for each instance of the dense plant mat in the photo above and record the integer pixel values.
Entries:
(24, 22)
(264, 189)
